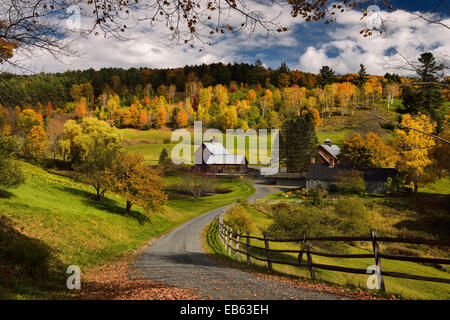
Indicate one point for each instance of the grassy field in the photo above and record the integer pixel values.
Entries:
(386, 219)
(52, 214)
(150, 143)
(441, 186)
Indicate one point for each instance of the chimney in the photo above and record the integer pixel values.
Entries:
(327, 142)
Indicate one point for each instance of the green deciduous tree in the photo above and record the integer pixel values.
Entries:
(137, 183)
(94, 148)
(11, 175)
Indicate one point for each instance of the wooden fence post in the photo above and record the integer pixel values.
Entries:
(225, 239)
(248, 247)
(376, 253)
(220, 231)
(231, 239)
(266, 243)
(302, 248)
(236, 253)
(310, 262)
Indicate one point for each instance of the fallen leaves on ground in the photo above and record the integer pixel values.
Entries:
(112, 282)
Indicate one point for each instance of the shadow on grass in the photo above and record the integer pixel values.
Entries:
(28, 266)
(4, 194)
(105, 204)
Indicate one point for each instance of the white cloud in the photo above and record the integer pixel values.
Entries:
(149, 48)
(408, 36)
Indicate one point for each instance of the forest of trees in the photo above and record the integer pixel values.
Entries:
(36, 109)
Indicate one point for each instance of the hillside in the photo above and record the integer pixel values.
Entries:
(51, 222)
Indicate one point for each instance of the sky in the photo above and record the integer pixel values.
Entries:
(305, 47)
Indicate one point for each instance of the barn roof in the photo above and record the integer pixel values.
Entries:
(225, 159)
(333, 149)
(219, 155)
(324, 172)
(216, 148)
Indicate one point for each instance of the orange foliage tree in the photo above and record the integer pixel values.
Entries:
(182, 119)
(161, 117)
(143, 119)
(80, 110)
(137, 183)
(37, 143)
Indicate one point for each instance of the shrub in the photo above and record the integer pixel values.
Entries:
(352, 214)
(350, 181)
(292, 221)
(238, 218)
(146, 127)
(317, 195)
(32, 255)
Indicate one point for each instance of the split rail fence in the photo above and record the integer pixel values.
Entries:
(241, 243)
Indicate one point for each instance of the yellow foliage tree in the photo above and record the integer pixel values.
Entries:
(137, 183)
(37, 143)
(161, 117)
(182, 119)
(415, 147)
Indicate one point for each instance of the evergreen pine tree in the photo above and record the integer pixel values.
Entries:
(298, 142)
(163, 156)
(427, 98)
(362, 76)
(326, 76)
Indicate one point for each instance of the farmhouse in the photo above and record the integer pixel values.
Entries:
(328, 153)
(212, 157)
(326, 176)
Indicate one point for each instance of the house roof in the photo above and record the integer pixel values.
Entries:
(286, 175)
(225, 159)
(219, 155)
(334, 150)
(216, 148)
(324, 172)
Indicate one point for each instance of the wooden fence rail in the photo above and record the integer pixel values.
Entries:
(233, 241)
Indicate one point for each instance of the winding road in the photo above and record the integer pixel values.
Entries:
(177, 259)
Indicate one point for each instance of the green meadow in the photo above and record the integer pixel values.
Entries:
(56, 218)
(405, 288)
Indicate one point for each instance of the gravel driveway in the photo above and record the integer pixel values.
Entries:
(177, 259)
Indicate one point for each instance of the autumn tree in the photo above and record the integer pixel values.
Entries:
(197, 183)
(367, 152)
(80, 109)
(415, 147)
(36, 143)
(55, 128)
(137, 183)
(143, 118)
(161, 117)
(182, 118)
(441, 152)
(11, 175)
(5, 126)
(94, 148)
(28, 118)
